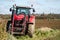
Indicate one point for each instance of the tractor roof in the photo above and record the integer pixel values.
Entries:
(23, 7)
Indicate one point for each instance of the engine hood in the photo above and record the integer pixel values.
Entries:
(18, 17)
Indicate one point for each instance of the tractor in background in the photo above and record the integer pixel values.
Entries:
(22, 22)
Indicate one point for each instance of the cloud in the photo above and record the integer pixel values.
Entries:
(39, 5)
(52, 0)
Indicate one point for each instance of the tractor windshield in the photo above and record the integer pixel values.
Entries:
(25, 10)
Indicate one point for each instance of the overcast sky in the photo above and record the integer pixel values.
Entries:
(40, 6)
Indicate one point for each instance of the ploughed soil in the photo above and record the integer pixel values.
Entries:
(52, 23)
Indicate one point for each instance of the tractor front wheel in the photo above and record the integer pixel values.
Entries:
(31, 30)
(8, 28)
(9, 31)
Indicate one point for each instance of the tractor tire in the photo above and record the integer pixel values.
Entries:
(8, 28)
(31, 29)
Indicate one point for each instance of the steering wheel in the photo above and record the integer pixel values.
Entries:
(23, 13)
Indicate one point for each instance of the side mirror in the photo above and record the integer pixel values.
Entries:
(33, 10)
(10, 9)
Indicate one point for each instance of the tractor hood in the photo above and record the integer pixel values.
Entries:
(18, 17)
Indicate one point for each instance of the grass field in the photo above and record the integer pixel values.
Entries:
(53, 34)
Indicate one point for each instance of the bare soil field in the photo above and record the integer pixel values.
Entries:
(52, 23)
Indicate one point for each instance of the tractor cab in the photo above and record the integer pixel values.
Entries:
(21, 10)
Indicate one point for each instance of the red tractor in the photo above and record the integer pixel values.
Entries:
(22, 22)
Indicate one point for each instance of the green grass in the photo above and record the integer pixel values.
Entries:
(57, 37)
(40, 35)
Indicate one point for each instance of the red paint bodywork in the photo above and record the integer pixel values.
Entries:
(19, 17)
